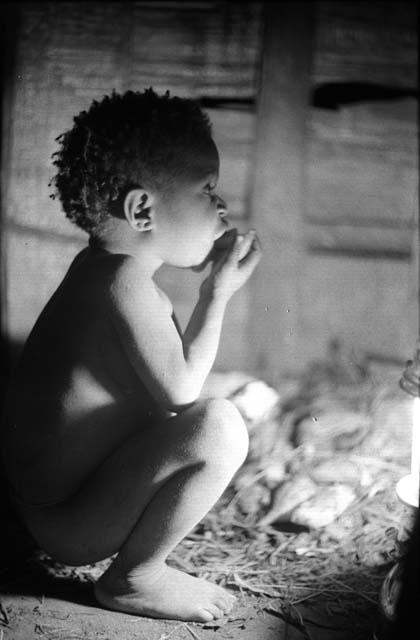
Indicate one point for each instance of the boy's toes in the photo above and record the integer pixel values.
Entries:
(214, 611)
(205, 614)
(225, 604)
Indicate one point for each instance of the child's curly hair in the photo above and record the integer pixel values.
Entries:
(120, 142)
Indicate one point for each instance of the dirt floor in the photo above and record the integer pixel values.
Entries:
(61, 609)
(68, 612)
(42, 600)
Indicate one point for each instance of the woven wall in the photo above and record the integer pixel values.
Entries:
(355, 236)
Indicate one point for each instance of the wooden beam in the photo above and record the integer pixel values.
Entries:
(374, 42)
(278, 194)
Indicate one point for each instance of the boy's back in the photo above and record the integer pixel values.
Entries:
(75, 395)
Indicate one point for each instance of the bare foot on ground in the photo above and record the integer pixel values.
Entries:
(167, 593)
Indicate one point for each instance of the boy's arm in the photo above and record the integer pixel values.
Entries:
(174, 367)
(229, 272)
(202, 336)
(147, 333)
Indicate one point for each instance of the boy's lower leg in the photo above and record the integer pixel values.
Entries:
(139, 581)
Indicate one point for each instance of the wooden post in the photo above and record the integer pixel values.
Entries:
(278, 193)
(9, 28)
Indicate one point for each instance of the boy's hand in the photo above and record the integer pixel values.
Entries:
(234, 258)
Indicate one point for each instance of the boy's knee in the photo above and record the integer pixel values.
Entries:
(224, 434)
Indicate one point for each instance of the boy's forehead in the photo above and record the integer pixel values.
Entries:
(201, 160)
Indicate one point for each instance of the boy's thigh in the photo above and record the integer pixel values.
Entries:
(94, 522)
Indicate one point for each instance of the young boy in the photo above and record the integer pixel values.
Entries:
(106, 446)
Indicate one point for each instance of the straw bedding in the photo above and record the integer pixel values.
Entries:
(337, 569)
(340, 569)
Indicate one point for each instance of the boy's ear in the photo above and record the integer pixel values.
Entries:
(138, 209)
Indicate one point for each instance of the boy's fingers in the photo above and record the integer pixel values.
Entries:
(253, 256)
(243, 249)
(233, 255)
(245, 246)
(248, 241)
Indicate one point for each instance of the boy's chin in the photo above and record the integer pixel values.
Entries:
(200, 267)
(192, 264)
(197, 262)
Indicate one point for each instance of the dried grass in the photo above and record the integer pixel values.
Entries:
(340, 569)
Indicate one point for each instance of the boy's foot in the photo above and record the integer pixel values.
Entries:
(165, 593)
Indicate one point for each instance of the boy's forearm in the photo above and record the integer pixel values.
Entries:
(202, 335)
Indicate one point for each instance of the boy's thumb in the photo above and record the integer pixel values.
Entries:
(236, 249)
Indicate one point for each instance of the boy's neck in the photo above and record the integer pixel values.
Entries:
(117, 244)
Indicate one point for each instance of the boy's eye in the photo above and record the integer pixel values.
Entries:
(209, 188)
